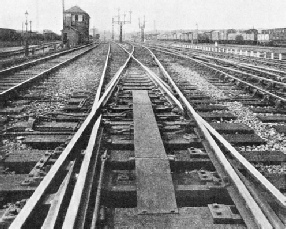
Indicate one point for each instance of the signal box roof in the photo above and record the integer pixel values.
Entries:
(76, 9)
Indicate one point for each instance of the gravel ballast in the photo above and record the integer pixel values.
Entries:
(275, 140)
(82, 74)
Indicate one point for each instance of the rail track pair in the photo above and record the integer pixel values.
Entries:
(144, 158)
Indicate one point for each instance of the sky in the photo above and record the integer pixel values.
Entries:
(167, 14)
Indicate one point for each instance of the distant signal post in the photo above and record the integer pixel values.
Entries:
(112, 34)
(142, 27)
(121, 22)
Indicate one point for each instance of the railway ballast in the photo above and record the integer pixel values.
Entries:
(162, 145)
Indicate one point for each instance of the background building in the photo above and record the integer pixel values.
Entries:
(76, 26)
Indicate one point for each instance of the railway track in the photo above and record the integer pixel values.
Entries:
(37, 124)
(145, 158)
(18, 77)
(265, 117)
(266, 84)
(248, 69)
(80, 140)
(21, 51)
(278, 65)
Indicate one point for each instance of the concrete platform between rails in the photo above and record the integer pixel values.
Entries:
(155, 189)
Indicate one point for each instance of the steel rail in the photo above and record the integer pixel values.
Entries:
(261, 220)
(261, 60)
(38, 195)
(253, 68)
(260, 68)
(264, 68)
(56, 200)
(158, 81)
(242, 189)
(162, 82)
(213, 67)
(251, 203)
(279, 197)
(261, 201)
(250, 66)
(98, 193)
(252, 58)
(85, 168)
(166, 85)
(114, 81)
(24, 65)
(5, 54)
(246, 73)
(282, 198)
(247, 66)
(102, 78)
(226, 74)
(251, 75)
(22, 84)
(77, 197)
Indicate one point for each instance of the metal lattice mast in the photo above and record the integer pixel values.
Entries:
(122, 22)
(37, 16)
(63, 6)
(112, 35)
(142, 27)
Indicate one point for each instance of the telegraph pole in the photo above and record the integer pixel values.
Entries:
(26, 23)
(63, 5)
(30, 29)
(26, 35)
(142, 27)
(93, 32)
(155, 31)
(112, 34)
(121, 23)
(197, 33)
(37, 16)
(63, 2)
